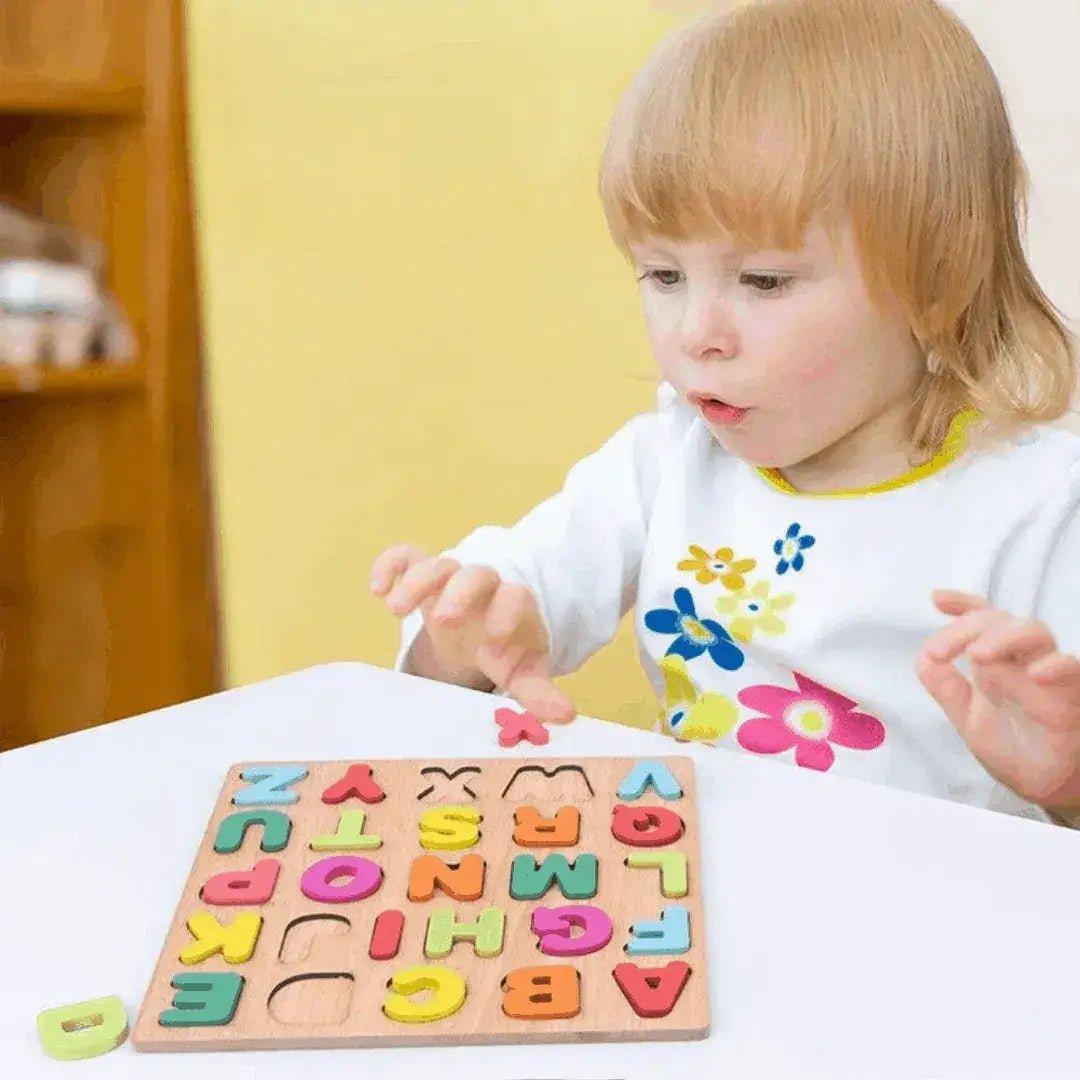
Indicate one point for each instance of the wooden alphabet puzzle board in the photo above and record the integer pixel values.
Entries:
(407, 903)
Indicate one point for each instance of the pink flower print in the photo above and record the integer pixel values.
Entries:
(809, 719)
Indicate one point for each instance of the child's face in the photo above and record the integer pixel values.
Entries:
(789, 337)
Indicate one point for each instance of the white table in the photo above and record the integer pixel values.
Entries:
(854, 931)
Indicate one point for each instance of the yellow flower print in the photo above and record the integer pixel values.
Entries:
(754, 609)
(721, 564)
(689, 715)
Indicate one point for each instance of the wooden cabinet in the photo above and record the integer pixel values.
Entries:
(107, 594)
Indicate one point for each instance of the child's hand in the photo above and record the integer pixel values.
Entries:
(474, 623)
(1021, 717)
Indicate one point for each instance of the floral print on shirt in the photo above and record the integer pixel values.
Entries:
(754, 609)
(720, 564)
(693, 635)
(810, 719)
(688, 714)
(790, 548)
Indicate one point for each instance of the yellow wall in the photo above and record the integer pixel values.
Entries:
(415, 319)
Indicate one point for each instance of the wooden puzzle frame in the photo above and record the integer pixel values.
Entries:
(311, 979)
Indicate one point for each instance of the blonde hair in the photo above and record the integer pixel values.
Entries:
(751, 122)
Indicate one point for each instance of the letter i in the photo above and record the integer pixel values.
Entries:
(386, 935)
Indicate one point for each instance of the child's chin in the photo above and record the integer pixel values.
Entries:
(750, 450)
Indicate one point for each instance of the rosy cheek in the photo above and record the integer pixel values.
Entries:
(824, 368)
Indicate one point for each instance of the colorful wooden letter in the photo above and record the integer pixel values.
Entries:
(646, 826)
(386, 935)
(460, 881)
(645, 773)
(363, 877)
(83, 1030)
(486, 933)
(449, 828)
(448, 997)
(668, 937)
(254, 886)
(652, 993)
(577, 880)
(349, 836)
(554, 925)
(268, 784)
(520, 725)
(357, 783)
(672, 866)
(532, 830)
(235, 942)
(204, 999)
(231, 832)
(542, 993)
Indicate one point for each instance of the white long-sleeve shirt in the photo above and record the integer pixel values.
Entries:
(787, 624)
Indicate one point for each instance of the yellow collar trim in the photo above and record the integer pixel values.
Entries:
(951, 448)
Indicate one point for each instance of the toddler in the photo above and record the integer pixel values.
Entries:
(849, 537)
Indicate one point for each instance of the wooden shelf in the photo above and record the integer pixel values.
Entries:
(95, 378)
(106, 527)
(23, 95)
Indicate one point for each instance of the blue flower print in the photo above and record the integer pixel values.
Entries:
(790, 548)
(693, 636)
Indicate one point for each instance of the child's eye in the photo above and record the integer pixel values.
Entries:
(654, 276)
(763, 284)
(768, 284)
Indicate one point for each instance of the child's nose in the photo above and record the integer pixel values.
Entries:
(708, 331)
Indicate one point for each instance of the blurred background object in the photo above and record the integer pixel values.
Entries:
(53, 303)
(107, 600)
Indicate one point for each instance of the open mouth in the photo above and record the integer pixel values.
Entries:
(719, 412)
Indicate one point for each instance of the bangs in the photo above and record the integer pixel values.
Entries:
(750, 123)
(726, 133)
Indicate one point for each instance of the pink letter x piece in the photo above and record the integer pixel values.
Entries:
(518, 726)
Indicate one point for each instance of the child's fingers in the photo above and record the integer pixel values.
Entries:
(1020, 640)
(1009, 686)
(525, 665)
(525, 674)
(509, 607)
(955, 602)
(537, 692)
(421, 580)
(953, 639)
(391, 564)
(470, 587)
(947, 686)
(1056, 668)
